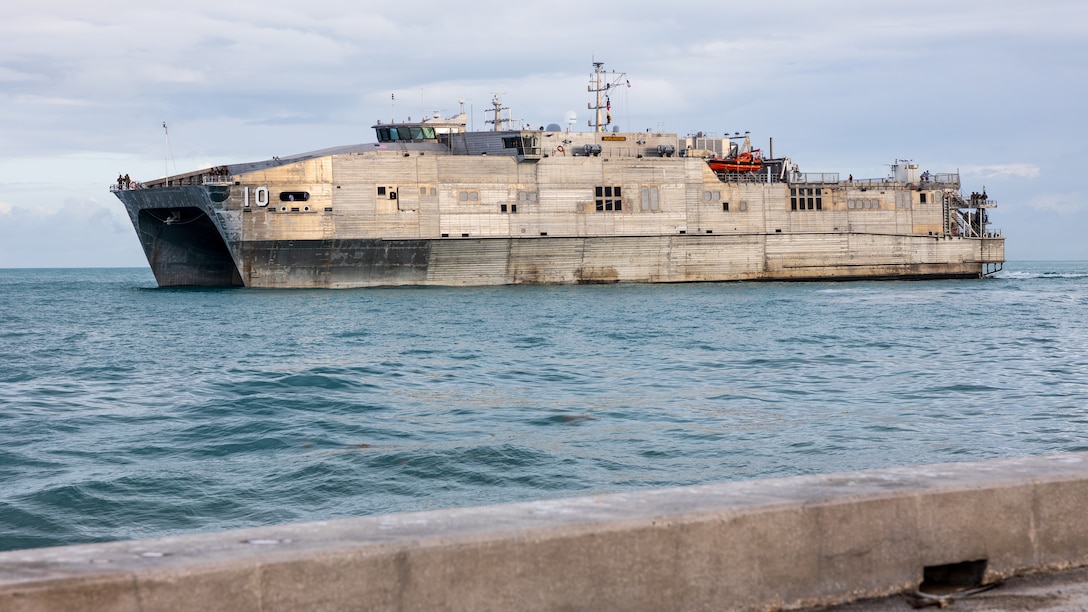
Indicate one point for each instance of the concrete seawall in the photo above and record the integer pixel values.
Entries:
(766, 544)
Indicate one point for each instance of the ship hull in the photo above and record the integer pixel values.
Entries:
(635, 259)
(186, 246)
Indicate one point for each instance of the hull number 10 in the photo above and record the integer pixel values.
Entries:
(260, 196)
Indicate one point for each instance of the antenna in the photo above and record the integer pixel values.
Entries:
(598, 85)
(571, 119)
(168, 158)
(392, 108)
(497, 108)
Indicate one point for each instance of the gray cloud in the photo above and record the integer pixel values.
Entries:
(83, 233)
(992, 88)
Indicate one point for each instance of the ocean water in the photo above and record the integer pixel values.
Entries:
(128, 411)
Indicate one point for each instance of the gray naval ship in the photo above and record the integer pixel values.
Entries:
(432, 203)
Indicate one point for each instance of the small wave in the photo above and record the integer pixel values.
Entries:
(1033, 275)
(561, 419)
(207, 410)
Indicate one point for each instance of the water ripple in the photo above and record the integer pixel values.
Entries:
(128, 411)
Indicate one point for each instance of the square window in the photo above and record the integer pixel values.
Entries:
(619, 204)
(381, 190)
(725, 206)
(617, 192)
(600, 205)
(600, 191)
(502, 207)
(513, 208)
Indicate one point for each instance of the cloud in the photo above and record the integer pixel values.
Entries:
(1060, 203)
(848, 82)
(43, 237)
(1001, 171)
(10, 75)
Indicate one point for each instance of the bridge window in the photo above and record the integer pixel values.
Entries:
(525, 145)
(405, 132)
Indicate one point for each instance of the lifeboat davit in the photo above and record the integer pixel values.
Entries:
(748, 161)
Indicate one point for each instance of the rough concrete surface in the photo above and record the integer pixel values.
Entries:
(1059, 591)
(786, 543)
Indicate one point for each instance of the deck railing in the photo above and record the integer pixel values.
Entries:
(815, 177)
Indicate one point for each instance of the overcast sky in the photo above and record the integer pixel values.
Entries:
(994, 89)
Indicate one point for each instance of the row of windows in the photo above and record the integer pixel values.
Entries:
(609, 197)
(467, 196)
(863, 203)
(806, 198)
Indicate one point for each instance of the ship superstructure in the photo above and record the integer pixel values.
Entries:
(433, 203)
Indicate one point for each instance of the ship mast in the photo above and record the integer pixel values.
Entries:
(498, 108)
(601, 82)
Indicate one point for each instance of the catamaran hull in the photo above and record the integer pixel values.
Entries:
(187, 246)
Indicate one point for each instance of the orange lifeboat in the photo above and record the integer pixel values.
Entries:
(746, 161)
